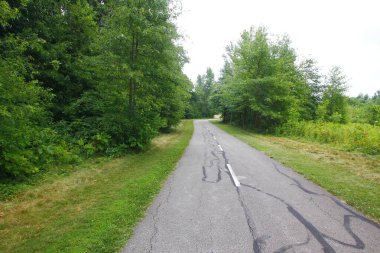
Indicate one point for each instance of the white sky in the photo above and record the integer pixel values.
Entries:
(334, 32)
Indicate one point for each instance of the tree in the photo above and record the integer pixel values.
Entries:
(202, 106)
(260, 81)
(140, 87)
(334, 103)
(311, 75)
(56, 34)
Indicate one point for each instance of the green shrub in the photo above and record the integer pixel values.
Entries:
(27, 142)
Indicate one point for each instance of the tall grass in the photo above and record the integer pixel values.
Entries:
(353, 137)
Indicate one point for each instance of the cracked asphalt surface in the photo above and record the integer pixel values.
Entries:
(200, 209)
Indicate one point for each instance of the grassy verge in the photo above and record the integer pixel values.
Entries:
(95, 208)
(353, 177)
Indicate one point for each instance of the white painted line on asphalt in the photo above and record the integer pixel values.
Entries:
(236, 181)
(220, 147)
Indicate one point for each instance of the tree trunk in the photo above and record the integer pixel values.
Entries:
(131, 79)
(135, 59)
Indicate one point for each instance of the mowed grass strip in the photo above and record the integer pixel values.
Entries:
(353, 177)
(95, 208)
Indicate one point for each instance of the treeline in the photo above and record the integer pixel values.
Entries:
(85, 77)
(264, 87)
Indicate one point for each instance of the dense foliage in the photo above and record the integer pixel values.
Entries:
(81, 77)
(201, 102)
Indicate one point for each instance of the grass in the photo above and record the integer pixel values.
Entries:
(360, 137)
(353, 177)
(94, 208)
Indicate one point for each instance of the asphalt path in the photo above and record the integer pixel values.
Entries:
(225, 196)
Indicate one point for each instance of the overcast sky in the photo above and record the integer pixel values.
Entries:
(334, 32)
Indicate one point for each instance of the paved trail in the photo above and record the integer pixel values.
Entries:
(202, 208)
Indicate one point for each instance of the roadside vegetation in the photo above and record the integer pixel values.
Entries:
(96, 206)
(351, 176)
(360, 137)
(85, 78)
(85, 86)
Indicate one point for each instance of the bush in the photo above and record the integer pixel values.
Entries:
(27, 143)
